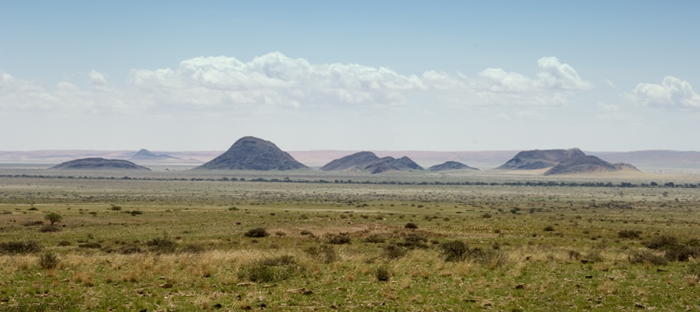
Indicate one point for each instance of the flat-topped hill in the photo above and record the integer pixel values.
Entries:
(540, 159)
(251, 153)
(451, 165)
(587, 164)
(98, 164)
(146, 155)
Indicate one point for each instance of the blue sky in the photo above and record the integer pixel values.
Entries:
(352, 75)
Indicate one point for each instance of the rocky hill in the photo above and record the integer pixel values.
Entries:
(450, 165)
(98, 164)
(390, 163)
(146, 155)
(357, 161)
(540, 159)
(587, 164)
(251, 153)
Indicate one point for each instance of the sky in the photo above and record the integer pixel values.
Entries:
(350, 75)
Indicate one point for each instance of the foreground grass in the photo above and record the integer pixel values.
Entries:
(558, 248)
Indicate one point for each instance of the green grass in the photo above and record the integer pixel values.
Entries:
(558, 248)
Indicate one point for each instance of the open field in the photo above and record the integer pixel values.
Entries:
(166, 245)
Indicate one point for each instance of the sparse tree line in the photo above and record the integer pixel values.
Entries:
(651, 184)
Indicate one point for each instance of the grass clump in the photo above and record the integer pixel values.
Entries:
(256, 232)
(269, 270)
(411, 226)
(48, 228)
(457, 251)
(21, 247)
(375, 239)
(646, 256)
(324, 253)
(393, 251)
(48, 261)
(382, 273)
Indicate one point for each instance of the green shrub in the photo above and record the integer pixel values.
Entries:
(661, 242)
(256, 232)
(382, 273)
(48, 260)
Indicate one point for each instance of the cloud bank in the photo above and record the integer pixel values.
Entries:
(672, 92)
(276, 80)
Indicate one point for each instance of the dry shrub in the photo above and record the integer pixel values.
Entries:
(375, 239)
(47, 228)
(457, 251)
(269, 270)
(19, 247)
(256, 232)
(340, 239)
(411, 225)
(393, 251)
(413, 241)
(162, 244)
(646, 256)
(382, 273)
(324, 253)
(48, 260)
(629, 234)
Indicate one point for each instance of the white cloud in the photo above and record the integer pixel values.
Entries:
(97, 78)
(275, 80)
(672, 92)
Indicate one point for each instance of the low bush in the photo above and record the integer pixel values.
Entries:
(256, 232)
(269, 270)
(19, 247)
(629, 234)
(647, 256)
(339, 239)
(455, 251)
(382, 273)
(413, 241)
(192, 249)
(393, 251)
(90, 245)
(375, 239)
(162, 244)
(411, 226)
(661, 242)
(48, 261)
(324, 253)
(47, 228)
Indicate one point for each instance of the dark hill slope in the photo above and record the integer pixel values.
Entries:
(389, 163)
(251, 153)
(450, 165)
(98, 164)
(587, 164)
(539, 159)
(354, 161)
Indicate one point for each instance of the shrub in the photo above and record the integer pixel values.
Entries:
(375, 239)
(53, 217)
(548, 228)
(129, 249)
(162, 244)
(394, 251)
(256, 232)
(340, 239)
(661, 242)
(324, 253)
(454, 251)
(413, 241)
(48, 260)
(49, 228)
(269, 270)
(115, 207)
(629, 234)
(382, 273)
(192, 249)
(486, 215)
(411, 225)
(643, 256)
(19, 247)
(63, 243)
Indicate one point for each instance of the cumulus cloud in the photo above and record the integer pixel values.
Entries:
(672, 92)
(275, 80)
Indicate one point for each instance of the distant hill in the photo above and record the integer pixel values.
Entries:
(587, 164)
(357, 161)
(146, 155)
(450, 165)
(98, 164)
(390, 163)
(251, 153)
(540, 159)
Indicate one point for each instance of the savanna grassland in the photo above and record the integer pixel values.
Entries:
(135, 245)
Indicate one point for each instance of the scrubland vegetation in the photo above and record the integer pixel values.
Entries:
(141, 245)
